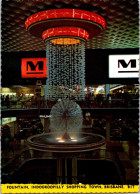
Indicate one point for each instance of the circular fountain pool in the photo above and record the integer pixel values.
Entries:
(78, 142)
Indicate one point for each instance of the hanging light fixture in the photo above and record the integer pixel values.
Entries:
(65, 32)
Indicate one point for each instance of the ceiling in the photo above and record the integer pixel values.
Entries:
(122, 23)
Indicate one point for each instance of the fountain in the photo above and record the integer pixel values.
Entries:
(66, 131)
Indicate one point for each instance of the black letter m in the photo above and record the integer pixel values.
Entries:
(33, 67)
(125, 65)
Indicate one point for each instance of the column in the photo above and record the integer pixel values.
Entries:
(74, 170)
(45, 91)
(107, 89)
(59, 171)
(46, 125)
(66, 174)
(108, 118)
(16, 129)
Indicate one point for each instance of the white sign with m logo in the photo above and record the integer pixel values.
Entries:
(123, 66)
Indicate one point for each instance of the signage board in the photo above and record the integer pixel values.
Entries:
(33, 67)
(123, 66)
(45, 116)
(8, 120)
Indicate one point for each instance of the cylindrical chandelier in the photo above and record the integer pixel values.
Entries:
(66, 58)
(65, 32)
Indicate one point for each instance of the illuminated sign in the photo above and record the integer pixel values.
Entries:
(33, 67)
(123, 66)
(8, 120)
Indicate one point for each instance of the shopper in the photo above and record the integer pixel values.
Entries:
(7, 100)
(2, 100)
(88, 118)
(44, 102)
(12, 145)
(6, 143)
(17, 137)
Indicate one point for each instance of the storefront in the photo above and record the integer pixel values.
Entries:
(9, 125)
(22, 91)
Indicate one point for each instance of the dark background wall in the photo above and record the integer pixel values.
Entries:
(96, 67)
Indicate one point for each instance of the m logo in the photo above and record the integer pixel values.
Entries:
(33, 68)
(131, 63)
(124, 66)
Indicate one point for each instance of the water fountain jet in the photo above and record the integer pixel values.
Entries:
(66, 131)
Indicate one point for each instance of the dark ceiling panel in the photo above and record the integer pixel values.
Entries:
(122, 23)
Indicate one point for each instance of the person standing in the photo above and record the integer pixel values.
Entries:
(12, 145)
(6, 143)
(88, 118)
(7, 100)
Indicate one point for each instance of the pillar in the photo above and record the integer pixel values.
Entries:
(45, 90)
(66, 173)
(74, 170)
(108, 118)
(107, 89)
(59, 171)
(16, 129)
(46, 125)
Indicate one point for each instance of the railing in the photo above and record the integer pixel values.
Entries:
(21, 158)
(29, 154)
(114, 103)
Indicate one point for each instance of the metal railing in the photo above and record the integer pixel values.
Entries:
(29, 104)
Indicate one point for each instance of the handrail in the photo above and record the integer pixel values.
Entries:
(114, 103)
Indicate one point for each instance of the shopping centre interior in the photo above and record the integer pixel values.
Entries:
(99, 145)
